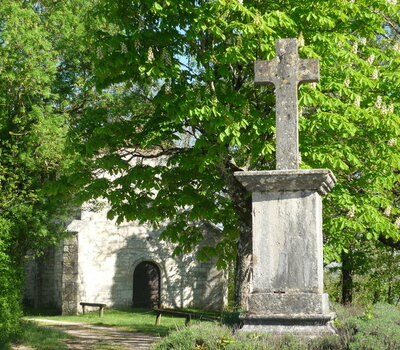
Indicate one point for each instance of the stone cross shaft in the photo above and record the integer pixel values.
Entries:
(286, 72)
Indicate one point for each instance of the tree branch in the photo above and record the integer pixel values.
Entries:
(151, 155)
(390, 242)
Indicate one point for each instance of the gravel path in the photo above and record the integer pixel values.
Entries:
(98, 337)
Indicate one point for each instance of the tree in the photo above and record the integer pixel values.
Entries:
(180, 81)
(35, 94)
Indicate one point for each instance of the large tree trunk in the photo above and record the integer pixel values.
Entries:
(347, 278)
(241, 200)
(243, 269)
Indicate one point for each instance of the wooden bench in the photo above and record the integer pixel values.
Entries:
(188, 316)
(100, 306)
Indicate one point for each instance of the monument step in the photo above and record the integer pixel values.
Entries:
(309, 325)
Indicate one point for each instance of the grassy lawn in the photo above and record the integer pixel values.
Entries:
(131, 319)
(42, 338)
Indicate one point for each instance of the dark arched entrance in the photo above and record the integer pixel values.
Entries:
(146, 285)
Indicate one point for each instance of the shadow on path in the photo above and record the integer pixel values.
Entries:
(99, 337)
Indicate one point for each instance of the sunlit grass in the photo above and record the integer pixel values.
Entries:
(43, 338)
(137, 320)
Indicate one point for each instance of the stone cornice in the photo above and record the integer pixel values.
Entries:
(319, 180)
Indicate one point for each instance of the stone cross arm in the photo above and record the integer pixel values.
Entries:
(266, 71)
(287, 67)
(286, 71)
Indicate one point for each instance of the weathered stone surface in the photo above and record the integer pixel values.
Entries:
(288, 252)
(286, 71)
(43, 282)
(288, 304)
(69, 276)
(319, 180)
(113, 252)
(287, 242)
(295, 324)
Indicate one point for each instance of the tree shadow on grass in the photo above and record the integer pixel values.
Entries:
(158, 331)
(134, 320)
(44, 338)
(31, 311)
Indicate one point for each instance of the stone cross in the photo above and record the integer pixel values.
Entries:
(286, 71)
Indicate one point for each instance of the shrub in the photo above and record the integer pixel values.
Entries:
(10, 308)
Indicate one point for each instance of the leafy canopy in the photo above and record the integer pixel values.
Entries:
(180, 81)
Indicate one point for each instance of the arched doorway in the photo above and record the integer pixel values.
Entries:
(146, 285)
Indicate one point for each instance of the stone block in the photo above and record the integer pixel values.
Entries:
(287, 242)
(279, 303)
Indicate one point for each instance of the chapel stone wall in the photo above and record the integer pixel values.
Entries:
(109, 253)
(30, 271)
(43, 286)
(69, 276)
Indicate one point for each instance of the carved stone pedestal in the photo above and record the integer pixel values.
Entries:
(287, 289)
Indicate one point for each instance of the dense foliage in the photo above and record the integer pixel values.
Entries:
(180, 80)
(33, 101)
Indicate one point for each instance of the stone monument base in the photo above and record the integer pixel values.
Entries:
(289, 303)
(287, 296)
(308, 325)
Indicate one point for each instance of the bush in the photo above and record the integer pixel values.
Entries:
(10, 307)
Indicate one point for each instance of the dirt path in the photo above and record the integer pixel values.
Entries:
(91, 337)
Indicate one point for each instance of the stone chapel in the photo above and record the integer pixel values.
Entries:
(122, 266)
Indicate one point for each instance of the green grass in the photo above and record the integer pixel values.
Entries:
(42, 338)
(377, 328)
(201, 312)
(137, 320)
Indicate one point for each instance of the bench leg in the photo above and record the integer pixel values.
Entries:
(187, 321)
(158, 319)
(83, 309)
(101, 311)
